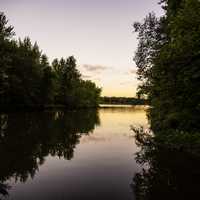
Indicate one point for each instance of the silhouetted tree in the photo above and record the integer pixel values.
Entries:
(168, 65)
(28, 80)
(6, 32)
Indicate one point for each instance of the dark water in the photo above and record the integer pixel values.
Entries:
(69, 155)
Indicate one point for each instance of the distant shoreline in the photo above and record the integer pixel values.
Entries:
(123, 101)
(9, 108)
(119, 105)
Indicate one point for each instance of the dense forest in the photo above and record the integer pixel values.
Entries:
(168, 61)
(123, 100)
(27, 79)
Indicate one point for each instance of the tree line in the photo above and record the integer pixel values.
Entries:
(168, 62)
(122, 100)
(27, 79)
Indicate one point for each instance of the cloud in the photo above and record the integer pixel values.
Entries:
(97, 80)
(126, 83)
(93, 68)
(94, 139)
(133, 71)
(86, 76)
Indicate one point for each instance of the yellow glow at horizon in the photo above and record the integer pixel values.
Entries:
(126, 91)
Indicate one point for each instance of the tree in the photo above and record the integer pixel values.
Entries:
(27, 71)
(28, 80)
(69, 77)
(167, 59)
(47, 82)
(6, 32)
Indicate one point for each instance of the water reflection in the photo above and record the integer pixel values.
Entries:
(167, 173)
(27, 138)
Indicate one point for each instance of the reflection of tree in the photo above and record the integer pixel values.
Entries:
(27, 138)
(4, 189)
(168, 173)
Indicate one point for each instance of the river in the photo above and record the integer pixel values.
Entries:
(85, 154)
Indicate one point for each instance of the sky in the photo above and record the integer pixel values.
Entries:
(98, 33)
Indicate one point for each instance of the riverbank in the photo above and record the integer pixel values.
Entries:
(10, 108)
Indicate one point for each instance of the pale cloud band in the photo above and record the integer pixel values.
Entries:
(93, 68)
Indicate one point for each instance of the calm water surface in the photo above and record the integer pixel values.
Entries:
(69, 155)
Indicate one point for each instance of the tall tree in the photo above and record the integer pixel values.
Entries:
(28, 80)
(6, 33)
(168, 65)
(69, 80)
(47, 82)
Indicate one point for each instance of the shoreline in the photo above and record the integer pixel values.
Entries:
(22, 108)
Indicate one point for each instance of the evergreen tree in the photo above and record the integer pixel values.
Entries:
(6, 32)
(28, 80)
(47, 82)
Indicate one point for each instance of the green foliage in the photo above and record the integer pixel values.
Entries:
(168, 59)
(5, 31)
(28, 80)
(89, 92)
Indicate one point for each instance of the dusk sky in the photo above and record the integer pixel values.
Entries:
(98, 33)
